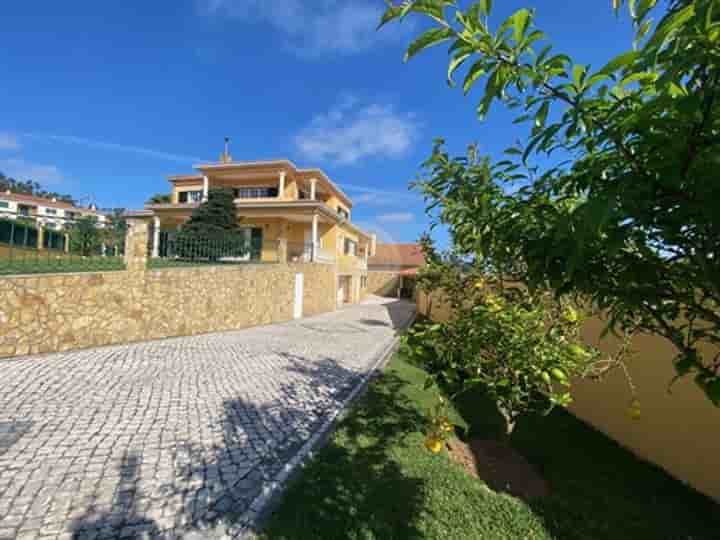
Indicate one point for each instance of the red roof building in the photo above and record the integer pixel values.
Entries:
(397, 257)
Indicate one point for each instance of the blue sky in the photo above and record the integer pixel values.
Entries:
(105, 99)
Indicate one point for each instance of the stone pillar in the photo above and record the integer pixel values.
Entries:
(136, 244)
(156, 238)
(314, 237)
(313, 184)
(206, 188)
(281, 186)
(41, 237)
(67, 243)
(282, 244)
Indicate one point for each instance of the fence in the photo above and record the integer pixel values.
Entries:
(25, 249)
(231, 248)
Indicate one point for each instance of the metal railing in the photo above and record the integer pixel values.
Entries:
(303, 252)
(189, 250)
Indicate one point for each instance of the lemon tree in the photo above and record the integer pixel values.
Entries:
(613, 192)
(522, 347)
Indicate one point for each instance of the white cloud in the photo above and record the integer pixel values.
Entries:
(25, 170)
(314, 27)
(8, 141)
(350, 131)
(101, 145)
(396, 217)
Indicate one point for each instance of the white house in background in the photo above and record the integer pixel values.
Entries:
(47, 213)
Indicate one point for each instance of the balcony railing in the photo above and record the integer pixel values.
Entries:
(303, 252)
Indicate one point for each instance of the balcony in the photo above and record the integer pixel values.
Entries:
(302, 252)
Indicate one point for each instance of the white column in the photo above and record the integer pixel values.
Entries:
(206, 188)
(156, 237)
(314, 237)
(281, 185)
(313, 182)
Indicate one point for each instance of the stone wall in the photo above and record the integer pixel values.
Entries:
(58, 312)
(383, 283)
(319, 287)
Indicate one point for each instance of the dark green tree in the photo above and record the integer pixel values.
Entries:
(30, 187)
(216, 216)
(160, 198)
(85, 236)
(213, 230)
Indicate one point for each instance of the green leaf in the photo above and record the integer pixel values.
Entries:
(669, 24)
(644, 8)
(431, 8)
(543, 54)
(455, 63)
(520, 22)
(542, 114)
(485, 7)
(579, 76)
(476, 71)
(391, 13)
(427, 39)
(619, 62)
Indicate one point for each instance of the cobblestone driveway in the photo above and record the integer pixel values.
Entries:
(158, 438)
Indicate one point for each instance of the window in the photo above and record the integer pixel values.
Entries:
(24, 210)
(363, 282)
(350, 247)
(190, 196)
(51, 211)
(70, 215)
(255, 192)
(4, 204)
(343, 213)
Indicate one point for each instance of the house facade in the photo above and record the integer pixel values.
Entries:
(50, 214)
(288, 213)
(33, 222)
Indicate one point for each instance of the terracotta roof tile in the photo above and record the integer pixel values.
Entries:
(397, 255)
(33, 200)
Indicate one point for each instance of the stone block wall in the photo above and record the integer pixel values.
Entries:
(383, 283)
(58, 312)
(319, 287)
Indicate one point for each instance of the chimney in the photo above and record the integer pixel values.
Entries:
(226, 157)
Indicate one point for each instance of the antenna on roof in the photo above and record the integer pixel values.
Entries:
(226, 157)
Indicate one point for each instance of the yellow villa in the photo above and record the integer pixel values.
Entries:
(291, 215)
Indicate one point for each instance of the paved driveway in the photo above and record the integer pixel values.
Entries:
(162, 437)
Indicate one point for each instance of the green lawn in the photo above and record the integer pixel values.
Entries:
(45, 263)
(375, 480)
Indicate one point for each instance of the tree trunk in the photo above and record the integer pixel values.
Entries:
(510, 420)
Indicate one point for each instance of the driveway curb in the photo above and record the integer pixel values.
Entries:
(252, 519)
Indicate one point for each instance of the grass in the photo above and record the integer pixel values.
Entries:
(46, 263)
(375, 480)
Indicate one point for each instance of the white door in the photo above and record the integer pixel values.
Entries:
(298, 309)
